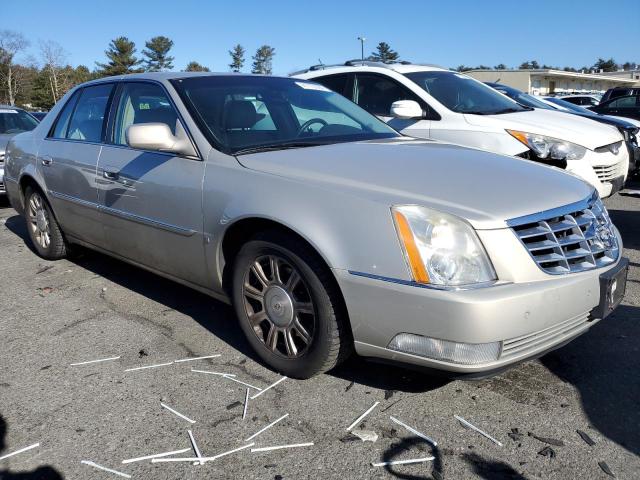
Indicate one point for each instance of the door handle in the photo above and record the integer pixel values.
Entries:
(46, 160)
(110, 174)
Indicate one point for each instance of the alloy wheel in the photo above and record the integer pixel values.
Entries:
(279, 306)
(39, 220)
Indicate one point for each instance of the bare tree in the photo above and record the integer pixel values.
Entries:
(11, 43)
(53, 59)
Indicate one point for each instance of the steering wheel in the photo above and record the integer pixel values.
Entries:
(308, 123)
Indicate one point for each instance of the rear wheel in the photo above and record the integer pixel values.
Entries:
(289, 307)
(44, 231)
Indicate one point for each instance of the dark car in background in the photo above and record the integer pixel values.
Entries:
(522, 98)
(39, 115)
(12, 122)
(620, 92)
(627, 106)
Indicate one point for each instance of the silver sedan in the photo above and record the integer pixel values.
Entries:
(326, 229)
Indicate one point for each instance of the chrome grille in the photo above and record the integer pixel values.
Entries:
(1, 158)
(569, 239)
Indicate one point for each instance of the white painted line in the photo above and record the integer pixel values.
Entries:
(280, 447)
(193, 359)
(246, 404)
(30, 447)
(473, 427)
(243, 383)
(95, 361)
(195, 446)
(203, 459)
(268, 388)
(213, 373)
(414, 431)
(100, 467)
(177, 413)
(149, 366)
(267, 427)
(403, 462)
(156, 455)
(361, 417)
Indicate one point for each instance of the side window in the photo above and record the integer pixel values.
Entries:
(88, 117)
(142, 103)
(376, 93)
(622, 102)
(62, 123)
(337, 83)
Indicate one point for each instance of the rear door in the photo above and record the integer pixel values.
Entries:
(68, 160)
(151, 201)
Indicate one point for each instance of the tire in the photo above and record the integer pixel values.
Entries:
(313, 303)
(44, 232)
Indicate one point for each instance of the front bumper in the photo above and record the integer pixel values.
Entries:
(527, 319)
(604, 170)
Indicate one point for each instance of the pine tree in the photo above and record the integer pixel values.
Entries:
(605, 65)
(262, 60)
(237, 58)
(194, 66)
(157, 54)
(384, 53)
(121, 58)
(500, 66)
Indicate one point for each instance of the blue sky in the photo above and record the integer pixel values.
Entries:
(447, 33)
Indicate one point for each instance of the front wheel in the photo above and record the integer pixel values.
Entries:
(288, 306)
(44, 231)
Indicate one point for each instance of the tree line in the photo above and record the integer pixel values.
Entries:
(38, 83)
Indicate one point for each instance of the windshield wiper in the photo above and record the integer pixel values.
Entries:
(512, 110)
(277, 146)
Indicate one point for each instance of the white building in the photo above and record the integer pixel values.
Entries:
(548, 81)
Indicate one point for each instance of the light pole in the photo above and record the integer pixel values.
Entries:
(362, 40)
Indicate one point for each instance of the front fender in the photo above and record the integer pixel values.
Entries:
(350, 232)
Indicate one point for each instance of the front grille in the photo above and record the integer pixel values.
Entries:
(1, 158)
(525, 343)
(607, 173)
(569, 239)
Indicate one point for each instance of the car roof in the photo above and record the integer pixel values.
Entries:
(369, 66)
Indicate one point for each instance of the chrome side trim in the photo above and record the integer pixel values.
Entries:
(554, 212)
(185, 232)
(411, 283)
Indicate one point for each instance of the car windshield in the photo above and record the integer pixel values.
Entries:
(243, 114)
(15, 121)
(463, 94)
(520, 97)
(568, 105)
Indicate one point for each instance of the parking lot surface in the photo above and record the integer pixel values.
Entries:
(92, 307)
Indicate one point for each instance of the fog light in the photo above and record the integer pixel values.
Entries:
(444, 350)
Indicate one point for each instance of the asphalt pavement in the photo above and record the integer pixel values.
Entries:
(54, 314)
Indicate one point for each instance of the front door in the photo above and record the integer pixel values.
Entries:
(151, 201)
(376, 93)
(68, 160)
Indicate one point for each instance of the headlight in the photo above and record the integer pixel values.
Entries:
(548, 147)
(441, 249)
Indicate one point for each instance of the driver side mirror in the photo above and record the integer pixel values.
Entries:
(158, 137)
(406, 109)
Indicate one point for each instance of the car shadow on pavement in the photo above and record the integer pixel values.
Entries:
(220, 319)
(41, 473)
(603, 366)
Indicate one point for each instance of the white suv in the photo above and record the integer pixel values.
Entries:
(435, 103)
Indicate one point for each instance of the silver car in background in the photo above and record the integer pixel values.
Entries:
(325, 228)
(12, 122)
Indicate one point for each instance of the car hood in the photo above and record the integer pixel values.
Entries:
(561, 125)
(485, 188)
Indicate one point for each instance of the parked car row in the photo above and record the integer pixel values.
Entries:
(325, 228)
(12, 122)
(435, 103)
